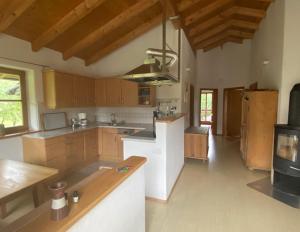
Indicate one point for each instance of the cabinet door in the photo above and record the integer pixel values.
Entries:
(109, 145)
(120, 152)
(100, 92)
(129, 93)
(188, 144)
(91, 145)
(91, 92)
(81, 88)
(64, 85)
(75, 150)
(113, 90)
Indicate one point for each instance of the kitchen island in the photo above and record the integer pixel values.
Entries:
(165, 155)
(109, 201)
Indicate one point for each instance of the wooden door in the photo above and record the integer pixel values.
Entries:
(64, 85)
(192, 108)
(100, 92)
(113, 90)
(129, 93)
(232, 112)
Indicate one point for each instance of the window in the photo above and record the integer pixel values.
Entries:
(13, 110)
(206, 105)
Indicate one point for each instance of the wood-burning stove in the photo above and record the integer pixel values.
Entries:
(286, 160)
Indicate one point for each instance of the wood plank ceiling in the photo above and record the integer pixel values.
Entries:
(92, 29)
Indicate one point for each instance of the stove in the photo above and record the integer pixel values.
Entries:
(286, 159)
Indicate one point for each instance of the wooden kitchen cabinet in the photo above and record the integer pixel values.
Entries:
(58, 89)
(113, 92)
(259, 115)
(196, 143)
(91, 145)
(146, 95)
(63, 90)
(100, 92)
(65, 153)
(112, 145)
(129, 93)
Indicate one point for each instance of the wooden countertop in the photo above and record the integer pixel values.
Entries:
(17, 176)
(169, 119)
(92, 192)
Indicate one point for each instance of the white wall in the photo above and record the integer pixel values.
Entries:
(122, 210)
(291, 56)
(267, 45)
(222, 68)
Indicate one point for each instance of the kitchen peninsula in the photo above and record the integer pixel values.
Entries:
(106, 197)
(165, 156)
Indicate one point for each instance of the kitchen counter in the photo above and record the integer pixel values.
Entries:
(69, 130)
(104, 191)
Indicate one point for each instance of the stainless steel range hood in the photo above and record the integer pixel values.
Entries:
(152, 72)
(156, 67)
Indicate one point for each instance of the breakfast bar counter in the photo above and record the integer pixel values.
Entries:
(106, 204)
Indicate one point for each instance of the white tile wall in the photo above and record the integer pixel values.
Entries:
(128, 114)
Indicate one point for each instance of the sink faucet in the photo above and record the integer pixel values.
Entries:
(113, 119)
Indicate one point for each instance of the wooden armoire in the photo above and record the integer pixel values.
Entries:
(259, 115)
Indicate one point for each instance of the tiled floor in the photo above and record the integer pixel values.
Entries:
(213, 197)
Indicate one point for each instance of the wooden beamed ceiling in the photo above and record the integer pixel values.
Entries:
(92, 29)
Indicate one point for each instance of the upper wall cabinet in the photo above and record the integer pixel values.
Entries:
(116, 92)
(62, 90)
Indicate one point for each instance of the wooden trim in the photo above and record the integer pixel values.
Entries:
(113, 24)
(242, 34)
(8, 136)
(24, 127)
(70, 19)
(234, 39)
(12, 11)
(219, 43)
(94, 57)
(212, 40)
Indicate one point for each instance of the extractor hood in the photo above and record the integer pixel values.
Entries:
(152, 72)
(159, 65)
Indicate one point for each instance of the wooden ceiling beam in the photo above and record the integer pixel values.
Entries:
(172, 12)
(216, 30)
(201, 27)
(244, 24)
(12, 11)
(211, 7)
(113, 24)
(211, 40)
(234, 39)
(250, 12)
(124, 40)
(219, 43)
(66, 22)
(241, 34)
(183, 5)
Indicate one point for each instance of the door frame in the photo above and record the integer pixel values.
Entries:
(214, 124)
(224, 123)
(192, 105)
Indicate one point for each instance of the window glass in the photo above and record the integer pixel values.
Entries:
(12, 100)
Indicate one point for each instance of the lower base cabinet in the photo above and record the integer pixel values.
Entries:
(196, 144)
(65, 153)
(111, 145)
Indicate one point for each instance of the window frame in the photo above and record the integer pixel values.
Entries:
(22, 75)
